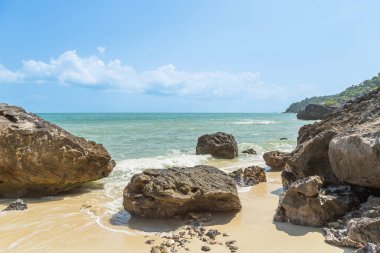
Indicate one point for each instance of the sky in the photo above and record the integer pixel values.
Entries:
(183, 56)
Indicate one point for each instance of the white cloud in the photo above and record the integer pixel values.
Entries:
(71, 69)
(101, 50)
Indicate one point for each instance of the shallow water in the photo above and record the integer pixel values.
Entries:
(92, 218)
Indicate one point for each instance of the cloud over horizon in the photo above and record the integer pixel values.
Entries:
(92, 71)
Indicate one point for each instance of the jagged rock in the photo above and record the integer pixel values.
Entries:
(311, 156)
(177, 191)
(40, 158)
(288, 177)
(315, 112)
(250, 151)
(18, 205)
(249, 176)
(355, 158)
(220, 145)
(361, 226)
(307, 203)
(368, 248)
(276, 160)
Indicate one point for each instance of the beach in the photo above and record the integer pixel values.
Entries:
(92, 217)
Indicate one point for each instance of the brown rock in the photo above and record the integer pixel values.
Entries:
(220, 145)
(307, 203)
(361, 226)
(276, 160)
(40, 158)
(249, 176)
(177, 191)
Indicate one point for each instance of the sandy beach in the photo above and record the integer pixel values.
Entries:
(62, 224)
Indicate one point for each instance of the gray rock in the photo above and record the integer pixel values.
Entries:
(361, 226)
(250, 151)
(18, 205)
(178, 191)
(40, 158)
(355, 158)
(368, 248)
(315, 112)
(220, 145)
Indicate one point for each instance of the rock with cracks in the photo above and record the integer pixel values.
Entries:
(171, 192)
(40, 158)
(307, 203)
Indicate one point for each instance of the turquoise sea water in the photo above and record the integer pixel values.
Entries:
(146, 135)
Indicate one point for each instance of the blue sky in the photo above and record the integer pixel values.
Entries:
(182, 56)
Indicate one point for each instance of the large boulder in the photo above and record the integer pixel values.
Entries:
(249, 176)
(160, 193)
(40, 158)
(315, 112)
(361, 226)
(307, 203)
(311, 156)
(355, 158)
(276, 160)
(220, 145)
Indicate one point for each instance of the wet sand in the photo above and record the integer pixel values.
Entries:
(63, 224)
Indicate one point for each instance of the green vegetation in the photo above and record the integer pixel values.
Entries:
(338, 99)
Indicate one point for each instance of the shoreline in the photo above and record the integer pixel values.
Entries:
(61, 225)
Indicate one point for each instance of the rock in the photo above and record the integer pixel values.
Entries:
(362, 226)
(205, 248)
(18, 205)
(178, 191)
(355, 158)
(307, 203)
(39, 158)
(250, 151)
(220, 145)
(283, 139)
(315, 112)
(276, 160)
(311, 156)
(368, 248)
(149, 242)
(249, 176)
(288, 176)
(212, 233)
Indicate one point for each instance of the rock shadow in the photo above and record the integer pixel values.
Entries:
(123, 218)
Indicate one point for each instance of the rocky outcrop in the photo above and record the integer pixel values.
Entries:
(220, 145)
(250, 151)
(249, 176)
(177, 191)
(355, 158)
(361, 226)
(40, 158)
(360, 117)
(307, 203)
(368, 248)
(276, 160)
(315, 112)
